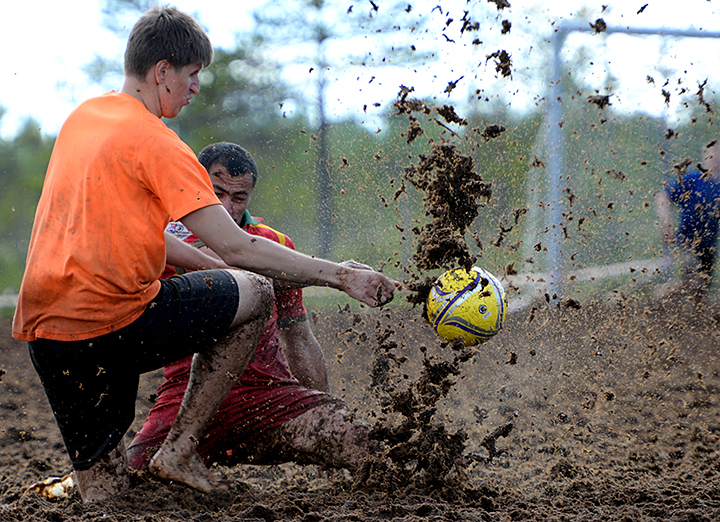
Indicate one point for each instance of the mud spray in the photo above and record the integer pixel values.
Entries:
(422, 455)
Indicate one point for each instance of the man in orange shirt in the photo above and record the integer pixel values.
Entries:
(280, 409)
(91, 305)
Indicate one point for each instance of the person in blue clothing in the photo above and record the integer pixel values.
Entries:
(697, 196)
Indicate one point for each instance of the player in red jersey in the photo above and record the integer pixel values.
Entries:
(91, 305)
(280, 409)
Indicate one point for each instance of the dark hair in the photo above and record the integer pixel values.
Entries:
(234, 158)
(164, 33)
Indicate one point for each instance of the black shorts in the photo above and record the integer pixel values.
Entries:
(92, 385)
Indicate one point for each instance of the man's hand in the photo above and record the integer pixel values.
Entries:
(381, 296)
(368, 286)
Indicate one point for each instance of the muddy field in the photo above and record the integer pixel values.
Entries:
(602, 413)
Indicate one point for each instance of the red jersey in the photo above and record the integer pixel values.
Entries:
(268, 364)
(265, 396)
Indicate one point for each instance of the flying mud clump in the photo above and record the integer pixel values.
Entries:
(452, 194)
(422, 455)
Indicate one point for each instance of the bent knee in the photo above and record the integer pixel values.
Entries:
(256, 296)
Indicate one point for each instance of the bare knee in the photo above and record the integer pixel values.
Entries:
(256, 297)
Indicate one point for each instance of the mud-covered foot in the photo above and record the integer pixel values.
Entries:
(101, 490)
(105, 478)
(185, 469)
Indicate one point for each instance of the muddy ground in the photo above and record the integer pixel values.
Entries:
(603, 413)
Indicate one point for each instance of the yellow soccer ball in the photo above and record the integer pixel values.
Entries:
(467, 305)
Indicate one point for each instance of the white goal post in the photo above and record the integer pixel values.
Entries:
(555, 141)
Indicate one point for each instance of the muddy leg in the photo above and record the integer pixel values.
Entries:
(107, 477)
(213, 373)
(328, 435)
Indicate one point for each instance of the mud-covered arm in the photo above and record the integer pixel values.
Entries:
(214, 227)
(281, 286)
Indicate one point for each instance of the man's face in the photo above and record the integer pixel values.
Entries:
(233, 191)
(178, 87)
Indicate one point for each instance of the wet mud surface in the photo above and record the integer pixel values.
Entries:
(592, 413)
(583, 412)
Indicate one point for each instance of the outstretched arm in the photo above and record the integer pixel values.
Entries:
(305, 356)
(281, 286)
(180, 254)
(214, 226)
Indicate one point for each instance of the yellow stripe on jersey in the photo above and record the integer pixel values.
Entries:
(281, 238)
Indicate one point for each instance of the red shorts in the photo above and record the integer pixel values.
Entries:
(244, 416)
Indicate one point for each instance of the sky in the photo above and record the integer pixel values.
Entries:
(44, 79)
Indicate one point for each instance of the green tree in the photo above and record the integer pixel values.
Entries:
(241, 100)
(23, 162)
(317, 27)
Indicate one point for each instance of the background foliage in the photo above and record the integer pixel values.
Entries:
(614, 163)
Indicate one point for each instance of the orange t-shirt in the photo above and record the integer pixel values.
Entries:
(116, 177)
